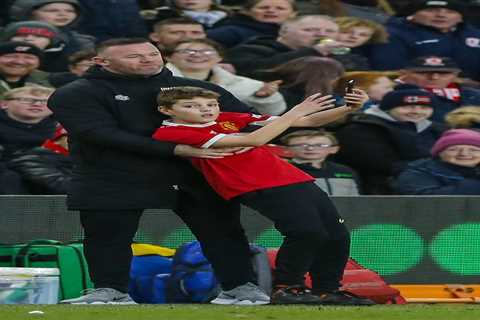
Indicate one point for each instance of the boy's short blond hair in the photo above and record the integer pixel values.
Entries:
(31, 90)
(285, 140)
(167, 97)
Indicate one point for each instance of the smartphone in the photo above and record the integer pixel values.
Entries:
(349, 86)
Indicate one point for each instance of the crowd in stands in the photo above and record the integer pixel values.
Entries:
(419, 62)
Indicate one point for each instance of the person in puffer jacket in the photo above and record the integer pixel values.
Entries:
(434, 28)
(452, 170)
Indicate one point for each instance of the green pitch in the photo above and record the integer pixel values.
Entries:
(209, 312)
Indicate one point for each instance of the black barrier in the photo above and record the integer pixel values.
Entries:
(406, 239)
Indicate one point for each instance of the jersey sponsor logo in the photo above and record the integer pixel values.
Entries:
(120, 97)
(229, 125)
(472, 42)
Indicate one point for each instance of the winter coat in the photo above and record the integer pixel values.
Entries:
(45, 171)
(234, 30)
(409, 40)
(468, 97)
(12, 182)
(110, 119)
(243, 89)
(259, 54)
(36, 77)
(333, 178)
(16, 135)
(436, 177)
(379, 147)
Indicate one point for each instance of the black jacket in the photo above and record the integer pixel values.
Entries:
(16, 135)
(253, 56)
(44, 171)
(110, 119)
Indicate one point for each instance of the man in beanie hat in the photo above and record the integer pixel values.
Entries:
(452, 169)
(433, 28)
(379, 142)
(19, 62)
(439, 75)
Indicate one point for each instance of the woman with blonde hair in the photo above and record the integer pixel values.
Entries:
(467, 117)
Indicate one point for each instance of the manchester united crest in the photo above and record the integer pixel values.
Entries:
(229, 126)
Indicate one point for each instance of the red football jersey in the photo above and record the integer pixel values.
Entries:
(231, 176)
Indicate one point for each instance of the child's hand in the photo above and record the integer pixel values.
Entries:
(183, 150)
(356, 99)
(314, 103)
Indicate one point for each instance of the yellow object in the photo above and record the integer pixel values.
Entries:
(143, 249)
(440, 293)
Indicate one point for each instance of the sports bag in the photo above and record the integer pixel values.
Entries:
(67, 257)
(193, 279)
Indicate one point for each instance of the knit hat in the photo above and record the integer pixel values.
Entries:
(448, 4)
(405, 97)
(454, 137)
(433, 63)
(38, 28)
(20, 47)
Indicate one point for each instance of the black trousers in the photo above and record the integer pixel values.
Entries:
(214, 222)
(316, 240)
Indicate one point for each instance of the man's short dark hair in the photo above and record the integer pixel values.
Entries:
(181, 20)
(167, 97)
(81, 55)
(99, 48)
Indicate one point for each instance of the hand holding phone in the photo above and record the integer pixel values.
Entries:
(350, 85)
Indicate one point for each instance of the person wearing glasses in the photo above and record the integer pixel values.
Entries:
(25, 119)
(309, 150)
(199, 59)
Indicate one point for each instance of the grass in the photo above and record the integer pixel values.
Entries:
(209, 312)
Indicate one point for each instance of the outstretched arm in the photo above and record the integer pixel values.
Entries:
(312, 104)
(354, 102)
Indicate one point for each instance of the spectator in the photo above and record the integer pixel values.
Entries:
(378, 143)
(258, 18)
(375, 83)
(206, 12)
(305, 76)
(63, 14)
(467, 117)
(25, 121)
(168, 33)
(45, 36)
(439, 75)
(310, 150)
(198, 59)
(360, 34)
(452, 170)
(19, 62)
(297, 38)
(433, 28)
(78, 64)
(112, 19)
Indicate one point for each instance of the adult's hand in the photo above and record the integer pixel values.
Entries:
(268, 89)
(183, 150)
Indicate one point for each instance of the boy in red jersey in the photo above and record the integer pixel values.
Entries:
(316, 239)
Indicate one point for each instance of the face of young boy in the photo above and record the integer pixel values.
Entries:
(193, 111)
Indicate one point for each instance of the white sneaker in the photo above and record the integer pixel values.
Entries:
(244, 295)
(101, 296)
